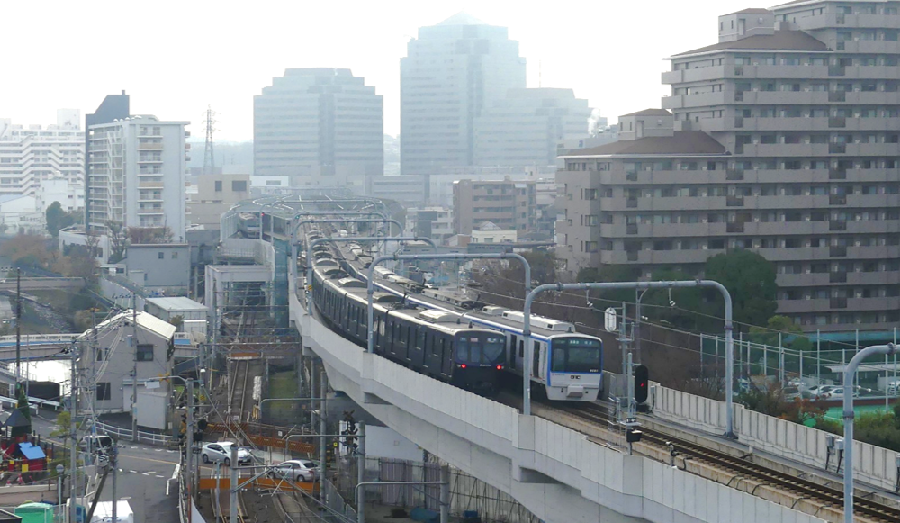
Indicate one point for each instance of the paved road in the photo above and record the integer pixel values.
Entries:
(142, 480)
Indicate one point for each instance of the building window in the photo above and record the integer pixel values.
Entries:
(101, 353)
(218, 187)
(238, 186)
(161, 255)
(104, 392)
(145, 352)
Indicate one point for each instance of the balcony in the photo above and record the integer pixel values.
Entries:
(839, 303)
(837, 122)
(734, 227)
(837, 226)
(734, 201)
(631, 228)
(738, 122)
(631, 256)
(837, 174)
(734, 174)
(150, 146)
(837, 199)
(836, 70)
(631, 203)
(631, 176)
(837, 148)
(837, 252)
(837, 277)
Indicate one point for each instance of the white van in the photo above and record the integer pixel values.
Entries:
(103, 513)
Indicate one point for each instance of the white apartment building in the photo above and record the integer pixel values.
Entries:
(31, 154)
(435, 223)
(70, 195)
(137, 174)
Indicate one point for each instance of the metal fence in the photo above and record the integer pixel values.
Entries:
(467, 493)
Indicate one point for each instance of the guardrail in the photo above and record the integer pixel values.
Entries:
(151, 438)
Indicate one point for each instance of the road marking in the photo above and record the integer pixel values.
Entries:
(148, 459)
(133, 471)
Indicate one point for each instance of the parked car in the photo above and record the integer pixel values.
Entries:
(893, 388)
(296, 470)
(221, 453)
(791, 393)
(821, 391)
(838, 393)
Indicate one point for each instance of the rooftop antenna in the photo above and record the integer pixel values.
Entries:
(209, 162)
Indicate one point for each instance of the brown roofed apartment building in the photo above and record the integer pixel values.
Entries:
(781, 138)
(509, 204)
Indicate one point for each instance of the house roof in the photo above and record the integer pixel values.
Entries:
(177, 304)
(779, 40)
(144, 319)
(680, 143)
(650, 112)
(31, 451)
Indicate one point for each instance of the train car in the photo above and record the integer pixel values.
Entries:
(566, 366)
(440, 345)
(248, 224)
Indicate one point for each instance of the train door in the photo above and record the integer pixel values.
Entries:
(538, 358)
(447, 356)
(417, 355)
(511, 352)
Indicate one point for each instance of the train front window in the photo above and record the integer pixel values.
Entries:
(479, 349)
(581, 355)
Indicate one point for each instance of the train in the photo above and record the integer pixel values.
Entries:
(567, 365)
(438, 344)
(248, 224)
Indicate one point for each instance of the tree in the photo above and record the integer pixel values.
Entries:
(26, 250)
(145, 235)
(750, 279)
(118, 241)
(177, 322)
(58, 219)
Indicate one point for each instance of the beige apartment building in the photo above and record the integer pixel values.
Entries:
(781, 138)
(508, 204)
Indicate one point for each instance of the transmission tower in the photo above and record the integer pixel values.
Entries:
(209, 162)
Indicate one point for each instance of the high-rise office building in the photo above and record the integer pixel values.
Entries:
(525, 127)
(137, 174)
(30, 155)
(314, 123)
(783, 138)
(451, 73)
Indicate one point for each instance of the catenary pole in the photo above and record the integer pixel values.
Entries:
(849, 372)
(559, 287)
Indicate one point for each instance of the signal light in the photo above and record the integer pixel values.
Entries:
(463, 366)
(641, 383)
(499, 367)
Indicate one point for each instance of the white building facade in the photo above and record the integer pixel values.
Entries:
(137, 174)
(31, 154)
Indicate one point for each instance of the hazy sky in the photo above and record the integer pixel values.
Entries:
(175, 57)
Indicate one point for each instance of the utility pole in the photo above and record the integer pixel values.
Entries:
(323, 389)
(114, 461)
(233, 486)
(18, 329)
(73, 454)
(134, 345)
(189, 438)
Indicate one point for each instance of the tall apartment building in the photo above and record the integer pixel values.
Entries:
(783, 139)
(451, 73)
(318, 123)
(509, 204)
(32, 154)
(524, 128)
(114, 107)
(137, 174)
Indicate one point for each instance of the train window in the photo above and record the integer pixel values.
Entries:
(420, 344)
(462, 349)
(538, 348)
(580, 355)
(522, 348)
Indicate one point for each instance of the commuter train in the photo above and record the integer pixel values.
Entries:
(440, 344)
(566, 366)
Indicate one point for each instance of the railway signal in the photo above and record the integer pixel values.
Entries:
(641, 383)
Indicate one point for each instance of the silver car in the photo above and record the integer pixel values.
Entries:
(221, 453)
(296, 470)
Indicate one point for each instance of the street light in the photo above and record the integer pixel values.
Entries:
(59, 477)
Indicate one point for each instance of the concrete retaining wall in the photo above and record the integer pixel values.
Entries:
(873, 465)
(555, 472)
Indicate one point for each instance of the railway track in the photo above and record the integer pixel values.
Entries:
(826, 496)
